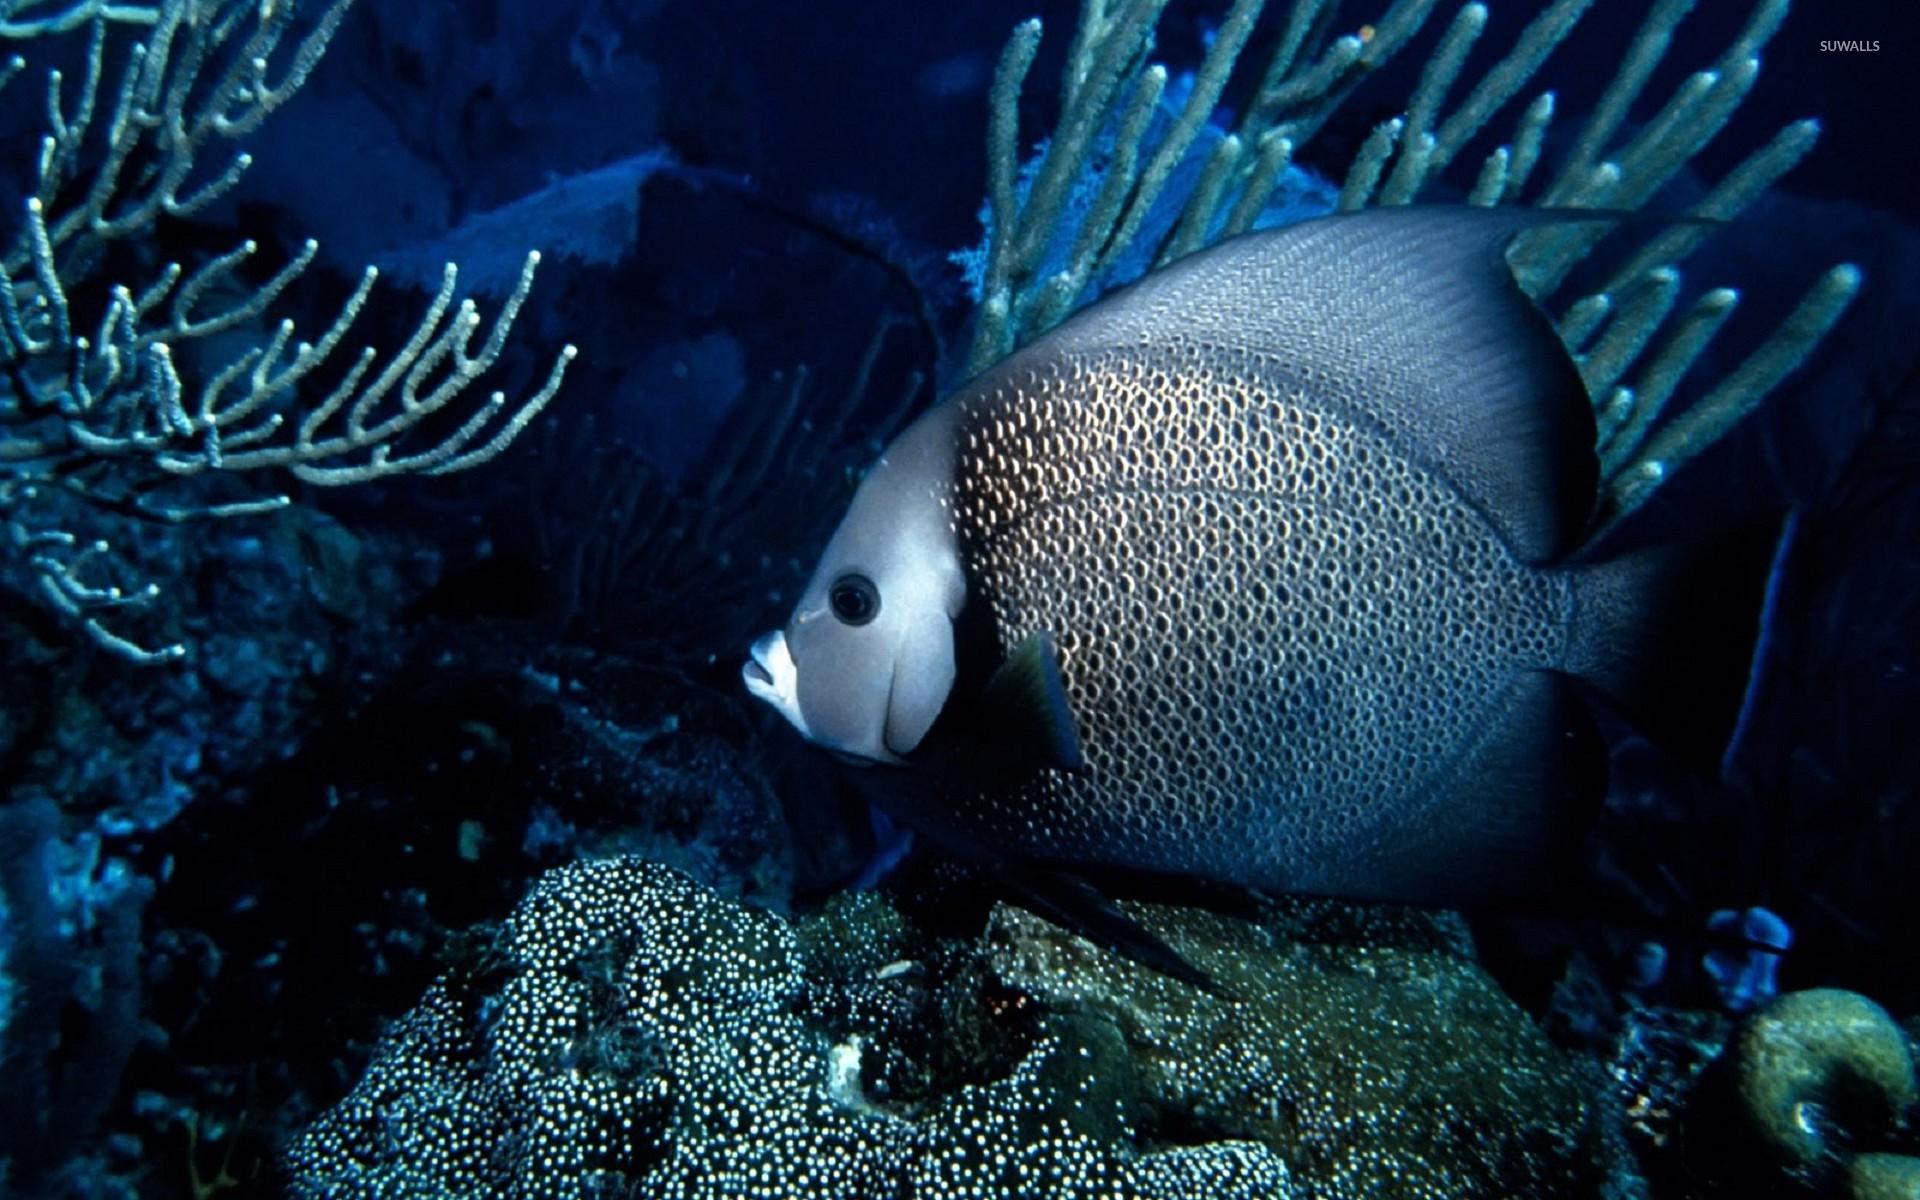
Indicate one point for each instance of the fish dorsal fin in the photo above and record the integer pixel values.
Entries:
(1025, 703)
(1407, 320)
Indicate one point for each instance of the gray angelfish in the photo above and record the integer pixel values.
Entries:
(1266, 569)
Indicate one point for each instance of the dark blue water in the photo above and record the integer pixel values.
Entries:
(417, 832)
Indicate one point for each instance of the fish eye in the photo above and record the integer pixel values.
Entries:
(854, 599)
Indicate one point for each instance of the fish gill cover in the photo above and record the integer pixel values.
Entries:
(383, 811)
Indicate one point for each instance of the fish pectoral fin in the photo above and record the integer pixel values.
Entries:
(1026, 704)
(1080, 908)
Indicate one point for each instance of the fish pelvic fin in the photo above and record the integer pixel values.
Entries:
(1075, 905)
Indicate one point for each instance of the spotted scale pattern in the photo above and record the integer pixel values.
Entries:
(1279, 629)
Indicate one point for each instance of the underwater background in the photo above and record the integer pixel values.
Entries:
(383, 810)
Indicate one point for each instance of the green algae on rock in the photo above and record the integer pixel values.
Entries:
(1884, 1177)
(1372, 1058)
(1821, 1072)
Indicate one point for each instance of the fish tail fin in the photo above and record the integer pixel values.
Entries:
(1616, 608)
(1666, 633)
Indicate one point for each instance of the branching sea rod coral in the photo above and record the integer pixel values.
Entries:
(1131, 180)
(35, 18)
(96, 407)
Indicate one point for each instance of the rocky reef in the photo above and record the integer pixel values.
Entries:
(630, 1032)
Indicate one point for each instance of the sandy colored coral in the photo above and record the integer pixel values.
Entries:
(1812, 1055)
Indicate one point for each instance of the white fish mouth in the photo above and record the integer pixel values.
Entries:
(770, 675)
(757, 675)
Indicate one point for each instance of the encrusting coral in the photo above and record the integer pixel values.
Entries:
(630, 1031)
(1364, 1045)
(1821, 1075)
